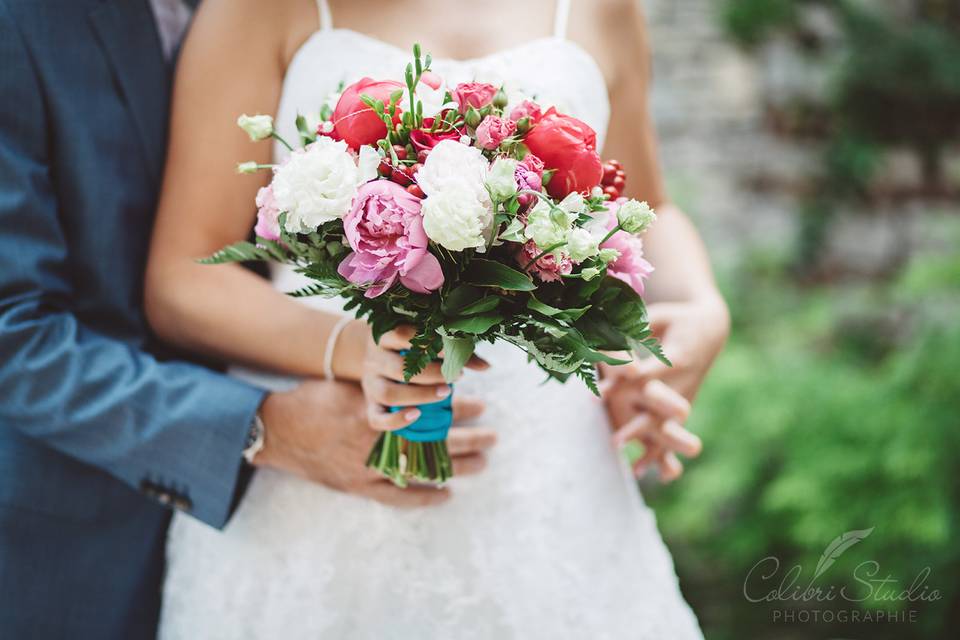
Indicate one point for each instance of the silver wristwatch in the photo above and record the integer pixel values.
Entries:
(255, 439)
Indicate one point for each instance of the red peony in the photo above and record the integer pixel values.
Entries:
(569, 147)
(424, 139)
(473, 94)
(353, 121)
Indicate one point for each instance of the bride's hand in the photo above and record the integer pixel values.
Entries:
(383, 387)
(649, 401)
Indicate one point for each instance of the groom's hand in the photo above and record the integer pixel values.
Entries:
(320, 431)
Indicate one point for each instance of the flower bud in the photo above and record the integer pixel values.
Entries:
(473, 118)
(590, 273)
(608, 255)
(247, 167)
(523, 125)
(500, 99)
(257, 127)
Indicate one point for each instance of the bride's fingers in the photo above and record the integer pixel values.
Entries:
(663, 400)
(469, 465)
(637, 428)
(409, 498)
(465, 441)
(675, 437)
(390, 364)
(670, 467)
(381, 419)
(477, 363)
(650, 457)
(467, 408)
(397, 394)
(397, 339)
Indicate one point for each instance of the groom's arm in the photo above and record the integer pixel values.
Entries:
(92, 397)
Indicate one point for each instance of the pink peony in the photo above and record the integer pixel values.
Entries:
(630, 266)
(526, 109)
(473, 94)
(529, 175)
(385, 230)
(493, 130)
(547, 268)
(268, 224)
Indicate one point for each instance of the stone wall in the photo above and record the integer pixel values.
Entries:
(708, 103)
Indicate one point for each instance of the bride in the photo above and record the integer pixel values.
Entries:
(553, 540)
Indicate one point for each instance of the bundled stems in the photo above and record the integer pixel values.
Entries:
(401, 460)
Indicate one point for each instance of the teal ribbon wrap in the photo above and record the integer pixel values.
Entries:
(434, 421)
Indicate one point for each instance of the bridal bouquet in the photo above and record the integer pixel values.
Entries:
(470, 214)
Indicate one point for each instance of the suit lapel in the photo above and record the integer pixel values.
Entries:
(128, 36)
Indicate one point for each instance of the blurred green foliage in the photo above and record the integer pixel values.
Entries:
(832, 410)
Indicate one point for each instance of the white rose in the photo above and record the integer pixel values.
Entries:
(581, 244)
(635, 217)
(456, 218)
(317, 184)
(501, 180)
(451, 163)
(257, 127)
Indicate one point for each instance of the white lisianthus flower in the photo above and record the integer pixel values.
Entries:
(546, 226)
(608, 255)
(317, 184)
(501, 180)
(455, 218)
(635, 217)
(451, 163)
(257, 127)
(581, 244)
(573, 203)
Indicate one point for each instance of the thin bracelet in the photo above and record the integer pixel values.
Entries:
(332, 345)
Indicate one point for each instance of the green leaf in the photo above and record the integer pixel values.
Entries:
(474, 324)
(487, 273)
(456, 353)
(460, 298)
(481, 306)
(238, 252)
(306, 135)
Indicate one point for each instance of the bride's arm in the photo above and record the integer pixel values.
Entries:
(233, 61)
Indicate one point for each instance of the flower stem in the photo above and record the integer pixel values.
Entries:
(276, 136)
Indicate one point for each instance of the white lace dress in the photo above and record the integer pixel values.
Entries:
(552, 541)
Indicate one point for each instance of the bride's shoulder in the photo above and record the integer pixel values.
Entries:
(280, 26)
(613, 31)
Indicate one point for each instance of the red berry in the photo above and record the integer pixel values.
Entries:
(422, 155)
(413, 168)
(385, 169)
(608, 172)
(415, 190)
(618, 182)
(612, 191)
(615, 163)
(401, 151)
(400, 177)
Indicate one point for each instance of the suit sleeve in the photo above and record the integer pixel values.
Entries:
(97, 399)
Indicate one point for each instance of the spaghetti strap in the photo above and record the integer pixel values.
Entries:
(560, 19)
(324, 16)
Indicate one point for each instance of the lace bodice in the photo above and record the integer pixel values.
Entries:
(553, 540)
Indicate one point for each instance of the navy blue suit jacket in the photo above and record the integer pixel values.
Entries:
(99, 432)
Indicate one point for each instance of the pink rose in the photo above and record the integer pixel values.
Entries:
(526, 109)
(630, 266)
(385, 230)
(268, 224)
(431, 79)
(529, 176)
(547, 268)
(424, 139)
(493, 130)
(473, 94)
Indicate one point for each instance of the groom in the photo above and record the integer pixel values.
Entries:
(101, 432)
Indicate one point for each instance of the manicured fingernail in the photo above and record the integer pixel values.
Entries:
(411, 414)
(443, 392)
